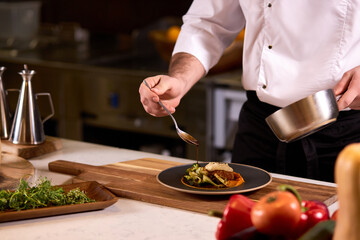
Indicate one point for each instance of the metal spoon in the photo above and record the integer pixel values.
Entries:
(183, 135)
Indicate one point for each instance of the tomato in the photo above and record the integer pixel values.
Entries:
(334, 215)
(276, 213)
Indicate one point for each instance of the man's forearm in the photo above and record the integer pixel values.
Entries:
(187, 68)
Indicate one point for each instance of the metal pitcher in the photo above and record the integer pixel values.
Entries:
(4, 109)
(27, 127)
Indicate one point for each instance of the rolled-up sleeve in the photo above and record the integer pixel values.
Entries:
(208, 28)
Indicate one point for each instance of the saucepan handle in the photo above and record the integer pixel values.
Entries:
(51, 106)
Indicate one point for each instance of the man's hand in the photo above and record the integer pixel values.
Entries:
(349, 87)
(184, 71)
(162, 87)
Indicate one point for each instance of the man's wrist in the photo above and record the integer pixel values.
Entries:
(187, 68)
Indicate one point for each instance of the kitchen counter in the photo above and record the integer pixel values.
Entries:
(127, 219)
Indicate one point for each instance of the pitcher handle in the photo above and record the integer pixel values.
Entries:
(51, 105)
(7, 93)
(12, 90)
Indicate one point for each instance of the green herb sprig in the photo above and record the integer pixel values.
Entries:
(40, 195)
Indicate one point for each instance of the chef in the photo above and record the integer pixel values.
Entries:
(292, 49)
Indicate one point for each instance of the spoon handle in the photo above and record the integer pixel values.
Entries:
(146, 84)
(162, 105)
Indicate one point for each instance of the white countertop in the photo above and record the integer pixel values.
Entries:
(127, 219)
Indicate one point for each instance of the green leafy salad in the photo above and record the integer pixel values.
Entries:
(40, 195)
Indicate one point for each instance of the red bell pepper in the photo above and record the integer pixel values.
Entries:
(236, 216)
(313, 212)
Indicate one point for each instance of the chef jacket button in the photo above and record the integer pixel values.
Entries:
(270, 46)
(264, 86)
(269, 5)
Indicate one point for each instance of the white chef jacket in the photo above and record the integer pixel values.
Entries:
(292, 48)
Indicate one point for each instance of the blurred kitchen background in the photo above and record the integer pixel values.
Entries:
(91, 56)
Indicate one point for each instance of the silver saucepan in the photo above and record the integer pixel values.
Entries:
(304, 117)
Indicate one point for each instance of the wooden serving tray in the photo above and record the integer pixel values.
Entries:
(12, 169)
(51, 144)
(136, 179)
(103, 198)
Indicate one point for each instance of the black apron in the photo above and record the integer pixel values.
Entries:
(312, 157)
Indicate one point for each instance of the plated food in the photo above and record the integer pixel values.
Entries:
(255, 178)
(214, 175)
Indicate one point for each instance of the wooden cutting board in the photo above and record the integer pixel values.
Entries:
(136, 179)
(12, 169)
(51, 144)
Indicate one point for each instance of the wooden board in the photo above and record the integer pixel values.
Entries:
(136, 179)
(51, 144)
(12, 169)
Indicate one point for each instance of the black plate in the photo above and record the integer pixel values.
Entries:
(255, 178)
